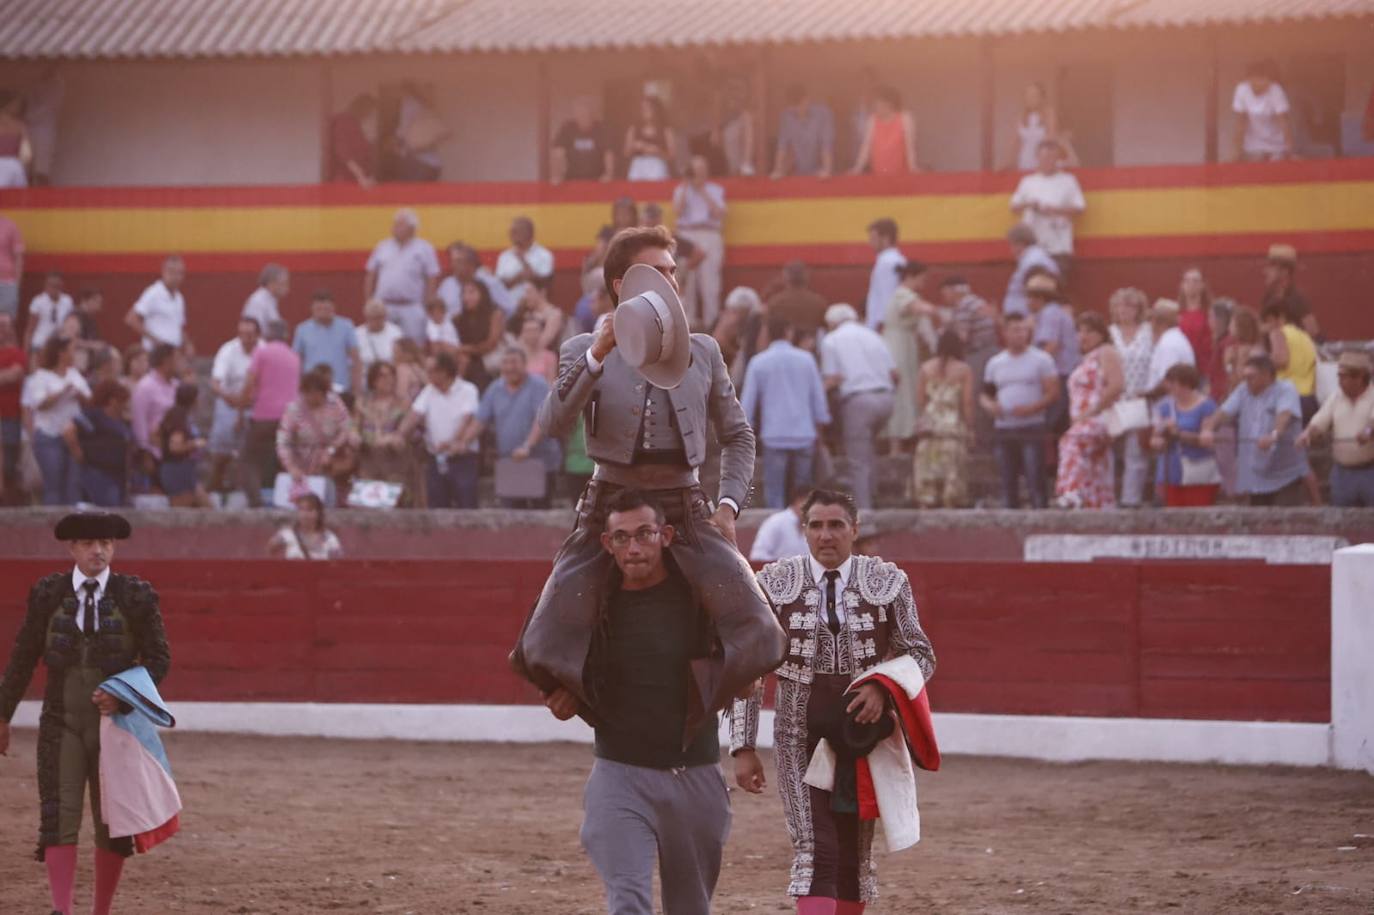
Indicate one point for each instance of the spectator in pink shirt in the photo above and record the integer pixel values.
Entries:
(11, 266)
(274, 375)
(154, 395)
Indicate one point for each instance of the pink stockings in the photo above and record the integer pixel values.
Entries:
(61, 862)
(108, 866)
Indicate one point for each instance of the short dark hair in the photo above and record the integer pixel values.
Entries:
(1263, 362)
(52, 350)
(1275, 310)
(186, 395)
(950, 345)
(1184, 374)
(625, 247)
(316, 381)
(161, 354)
(1093, 322)
(794, 272)
(322, 295)
(1013, 317)
(253, 321)
(109, 391)
(1021, 234)
(885, 227)
(53, 275)
(375, 370)
(1267, 68)
(779, 328)
(627, 500)
(888, 94)
(445, 363)
(86, 294)
(951, 281)
(911, 268)
(831, 497)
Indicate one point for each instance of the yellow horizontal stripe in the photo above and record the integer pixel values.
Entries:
(1334, 206)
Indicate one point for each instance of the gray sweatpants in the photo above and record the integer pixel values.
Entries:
(633, 814)
(861, 418)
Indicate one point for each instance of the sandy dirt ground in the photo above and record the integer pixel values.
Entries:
(309, 826)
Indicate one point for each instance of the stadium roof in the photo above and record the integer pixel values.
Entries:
(98, 29)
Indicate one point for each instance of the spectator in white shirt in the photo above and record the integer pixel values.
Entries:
(159, 315)
(52, 398)
(403, 272)
(780, 536)
(229, 422)
(1171, 345)
(1264, 125)
(440, 333)
(377, 337)
(1048, 200)
(465, 266)
(700, 207)
(884, 280)
(856, 364)
(47, 311)
(446, 407)
(264, 305)
(525, 261)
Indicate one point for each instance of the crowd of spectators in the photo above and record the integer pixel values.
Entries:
(1197, 397)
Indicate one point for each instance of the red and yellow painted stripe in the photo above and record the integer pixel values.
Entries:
(1195, 211)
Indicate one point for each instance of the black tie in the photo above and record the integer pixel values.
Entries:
(832, 617)
(88, 625)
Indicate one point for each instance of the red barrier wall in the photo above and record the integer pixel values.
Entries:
(1154, 640)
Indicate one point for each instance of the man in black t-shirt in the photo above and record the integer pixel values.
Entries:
(580, 151)
(656, 789)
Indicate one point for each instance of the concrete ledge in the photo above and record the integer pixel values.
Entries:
(1056, 739)
(899, 535)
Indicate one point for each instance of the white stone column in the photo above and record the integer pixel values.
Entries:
(1352, 657)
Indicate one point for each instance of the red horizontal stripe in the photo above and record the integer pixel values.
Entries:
(952, 252)
(528, 192)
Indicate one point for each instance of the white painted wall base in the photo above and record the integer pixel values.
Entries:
(1352, 657)
(1058, 739)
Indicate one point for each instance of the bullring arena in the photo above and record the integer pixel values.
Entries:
(472, 802)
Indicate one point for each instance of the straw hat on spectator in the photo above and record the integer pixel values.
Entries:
(1042, 284)
(839, 313)
(651, 328)
(1355, 360)
(1287, 255)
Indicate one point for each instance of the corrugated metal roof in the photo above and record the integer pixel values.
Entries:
(276, 28)
(559, 25)
(209, 28)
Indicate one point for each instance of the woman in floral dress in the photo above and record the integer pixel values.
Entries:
(944, 396)
(1086, 472)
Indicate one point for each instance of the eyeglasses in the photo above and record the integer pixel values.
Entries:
(645, 536)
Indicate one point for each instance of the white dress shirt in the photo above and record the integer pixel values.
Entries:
(164, 315)
(509, 266)
(780, 537)
(79, 579)
(262, 306)
(1170, 349)
(231, 366)
(1058, 191)
(882, 283)
(47, 315)
(818, 575)
(859, 357)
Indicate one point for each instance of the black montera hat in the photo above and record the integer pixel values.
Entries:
(93, 526)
